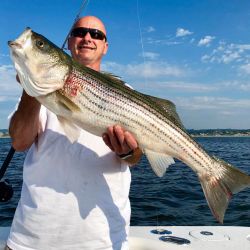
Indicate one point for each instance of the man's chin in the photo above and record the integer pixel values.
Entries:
(84, 55)
(84, 60)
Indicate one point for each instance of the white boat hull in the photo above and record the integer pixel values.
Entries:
(219, 238)
(212, 237)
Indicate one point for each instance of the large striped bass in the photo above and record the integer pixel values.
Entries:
(93, 101)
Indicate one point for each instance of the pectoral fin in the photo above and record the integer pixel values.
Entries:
(67, 103)
(159, 162)
(71, 130)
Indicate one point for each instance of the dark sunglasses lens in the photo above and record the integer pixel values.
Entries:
(97, 34)
(79, 32)
(94, 33)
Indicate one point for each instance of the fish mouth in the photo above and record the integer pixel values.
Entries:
(14, 44)
(20, 42)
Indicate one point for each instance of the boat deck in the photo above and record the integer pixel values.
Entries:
(180, 237)
(191, 237)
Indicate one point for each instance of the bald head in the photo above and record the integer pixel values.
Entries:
(90, 22)
(91, 45)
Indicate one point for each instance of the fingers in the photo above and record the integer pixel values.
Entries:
(119, 141)
(130, 140)
(106, 139)
(120, 138)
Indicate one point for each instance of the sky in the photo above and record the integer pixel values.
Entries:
(194, 53)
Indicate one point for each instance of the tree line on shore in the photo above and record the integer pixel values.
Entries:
(193, 132)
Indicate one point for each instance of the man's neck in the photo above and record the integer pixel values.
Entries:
(94, 66)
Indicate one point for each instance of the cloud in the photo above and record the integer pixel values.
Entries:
(192, 40)
(245, 69)
(8, 98)
(10, 91)
(141, 70)
(213, 103)
(156, 74)
(193, 88)
(153, 70)
(185, 87)
(241, 47)
(228, 53)
(213, 112)
(8, 84)
(180, 32)
(150, 29)
(4, 55)
(235, 85)
(206, 41)
(206, 58)
(150, 55)
(6, 68)
(168, 41)
(230, 56)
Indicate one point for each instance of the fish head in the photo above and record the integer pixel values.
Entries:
(42, 67)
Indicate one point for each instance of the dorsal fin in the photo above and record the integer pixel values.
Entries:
(113, 77)
(169, 108)
(165, 105)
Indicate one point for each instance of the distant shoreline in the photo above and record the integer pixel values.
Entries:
(3, 137)
(219, 132)
(243, 135)
(4, 133)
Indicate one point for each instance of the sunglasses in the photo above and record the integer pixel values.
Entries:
(94, 33)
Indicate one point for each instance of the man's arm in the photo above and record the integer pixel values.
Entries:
(24, 124)
(122, 142)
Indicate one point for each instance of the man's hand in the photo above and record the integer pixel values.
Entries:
(122, 142)
(119, 141)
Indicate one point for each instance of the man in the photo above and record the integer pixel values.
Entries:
(74, 196)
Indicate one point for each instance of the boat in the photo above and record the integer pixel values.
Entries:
(179, 237)
(190, 238)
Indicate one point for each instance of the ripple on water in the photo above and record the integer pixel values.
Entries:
(174, 199)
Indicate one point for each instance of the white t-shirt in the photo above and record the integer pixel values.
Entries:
(74, 196)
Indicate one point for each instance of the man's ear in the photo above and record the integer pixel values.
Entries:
(105, 48)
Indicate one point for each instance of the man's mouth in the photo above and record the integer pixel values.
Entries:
(85, 47)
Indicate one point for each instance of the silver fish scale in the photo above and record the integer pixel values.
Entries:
(103, 105)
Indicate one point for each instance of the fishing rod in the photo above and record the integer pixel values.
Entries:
(84, 4)
(6, 190)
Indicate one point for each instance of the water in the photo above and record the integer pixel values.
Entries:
(175, 199)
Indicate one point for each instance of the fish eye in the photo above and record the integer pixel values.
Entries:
(39, 43)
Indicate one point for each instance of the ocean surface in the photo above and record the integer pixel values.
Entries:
(175, 199)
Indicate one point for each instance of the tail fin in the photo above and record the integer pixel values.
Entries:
(218, 189)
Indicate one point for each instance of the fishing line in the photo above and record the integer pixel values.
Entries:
(84, 4)
(145, 84)
(142, 45)
(6, 190)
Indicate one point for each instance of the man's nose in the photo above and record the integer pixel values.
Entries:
(87, 36)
